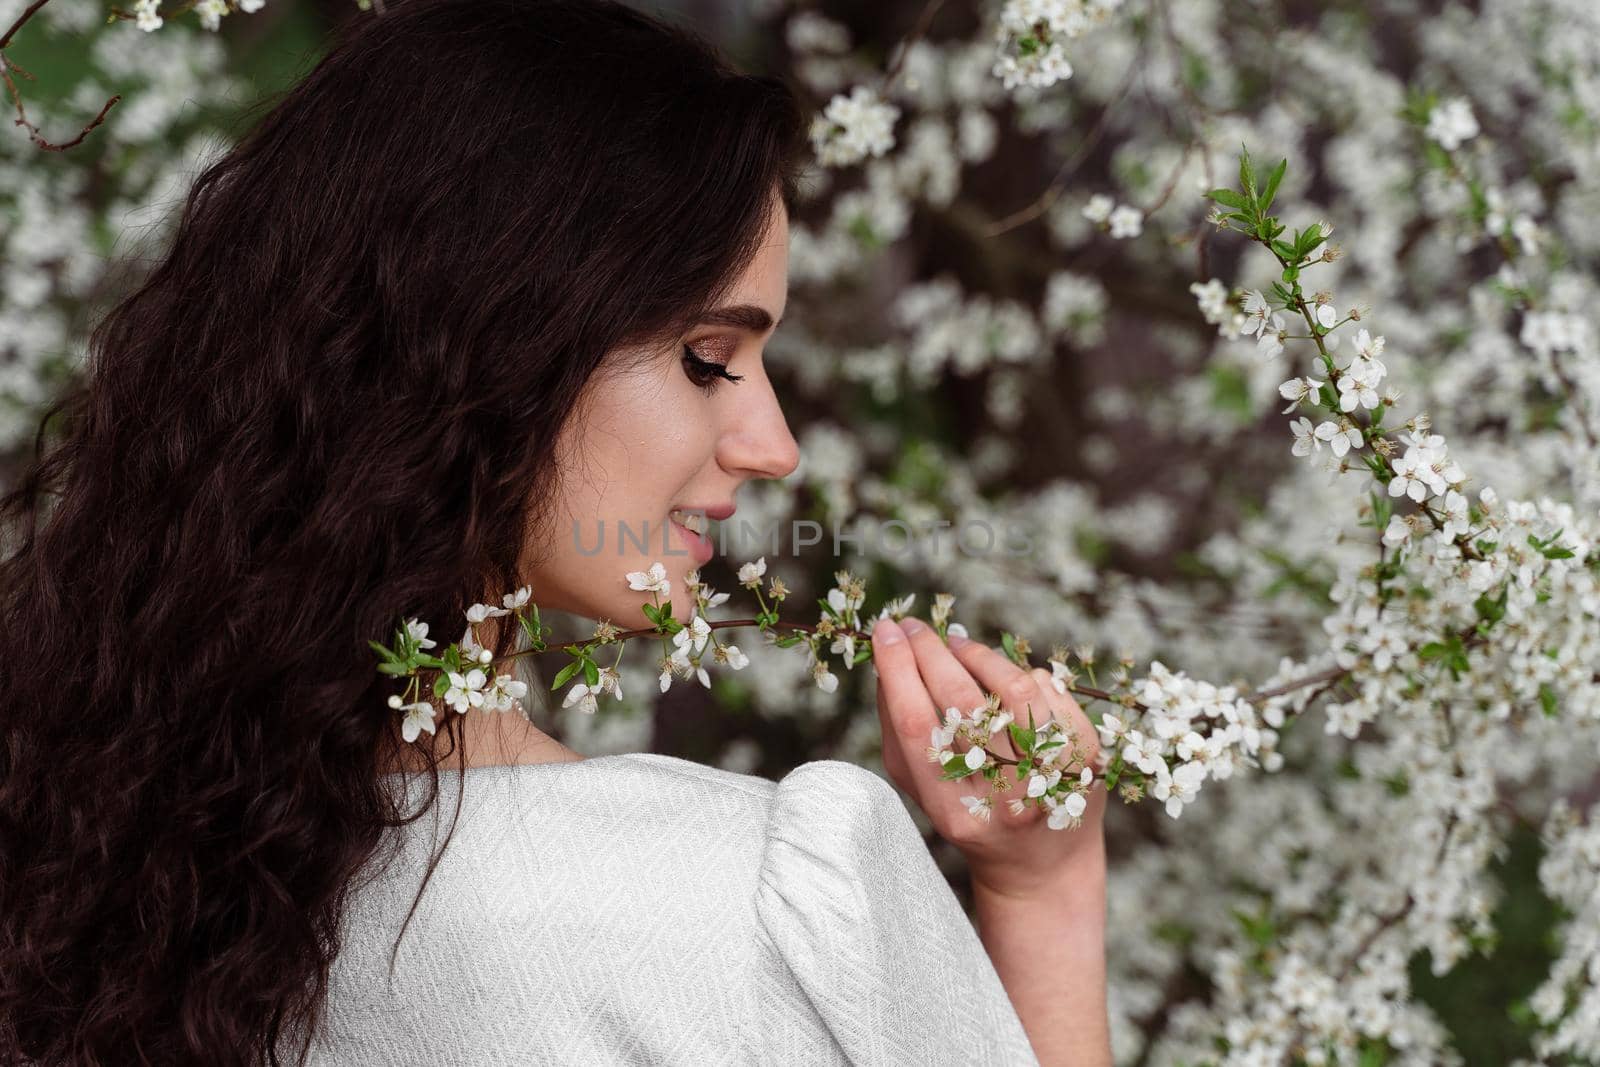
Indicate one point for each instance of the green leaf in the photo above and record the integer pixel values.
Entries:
(1372, 1055)
(1382, 508)
(1230, 390)
(531, 628)
(1113, 772)
(1272, 185)
(1258, 928)
(1229, 198)
(955, 767)
(1547, 700)
(1492, 609)
(565, 674)
(1450, 651)
(1247, 178)
(1022, 736)
(591, 671)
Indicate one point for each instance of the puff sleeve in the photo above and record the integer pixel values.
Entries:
(851, 900)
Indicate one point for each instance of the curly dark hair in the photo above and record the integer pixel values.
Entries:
(330, 406)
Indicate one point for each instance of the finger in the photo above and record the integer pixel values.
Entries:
(996, 671)
(905, 710)
(947, 681)
(1019, 690)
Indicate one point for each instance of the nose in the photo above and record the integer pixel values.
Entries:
(759, 443)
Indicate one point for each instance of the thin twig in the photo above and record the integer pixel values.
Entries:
(8, 65)
(17, 25)
(1053, 191)
(918, 31)
(1331, 675)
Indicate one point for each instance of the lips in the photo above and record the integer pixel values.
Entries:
(691, 527)
(711, 511)
(691, 519)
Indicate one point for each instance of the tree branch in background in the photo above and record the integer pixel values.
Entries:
(8, 65)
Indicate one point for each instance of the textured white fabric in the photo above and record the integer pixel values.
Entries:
(645, 909)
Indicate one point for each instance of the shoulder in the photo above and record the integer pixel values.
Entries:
(850, 900)
(841, 808)
(691, 778)
(840, 832)
(830, 810)
(641, 817)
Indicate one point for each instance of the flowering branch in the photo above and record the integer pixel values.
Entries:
(1051, 764)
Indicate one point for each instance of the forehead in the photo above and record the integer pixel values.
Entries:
(765, 279)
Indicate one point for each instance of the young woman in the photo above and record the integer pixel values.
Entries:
(493, 267)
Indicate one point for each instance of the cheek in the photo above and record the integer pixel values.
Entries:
(643, 445)
(638, 452)
(679, 450)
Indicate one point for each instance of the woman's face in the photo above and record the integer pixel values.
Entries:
(662, 434)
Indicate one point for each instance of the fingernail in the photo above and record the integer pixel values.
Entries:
(885, 632)
(956, 640)
(914, 626)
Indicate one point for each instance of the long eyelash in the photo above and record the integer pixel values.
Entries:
(705, 373)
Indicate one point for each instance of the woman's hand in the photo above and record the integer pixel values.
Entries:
(918, 677)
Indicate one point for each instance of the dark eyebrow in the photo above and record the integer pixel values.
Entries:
(740, 316)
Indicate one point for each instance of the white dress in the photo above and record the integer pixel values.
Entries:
(645, 909)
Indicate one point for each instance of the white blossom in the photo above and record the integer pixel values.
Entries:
(419, 716)
(1297, 389)
(751, 573)
(654, 580)
(1126, 221)
(466, 690)
(852, 128)
(418, 632)
(1451, 123)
